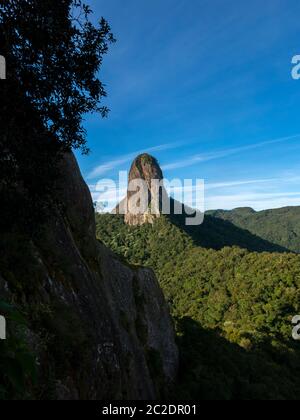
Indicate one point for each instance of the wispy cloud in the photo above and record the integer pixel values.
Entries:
(122, 160)
(223, 153)
(240, 183)
(260, 194)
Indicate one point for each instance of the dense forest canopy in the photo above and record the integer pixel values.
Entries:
(279, 226)
(233, 308)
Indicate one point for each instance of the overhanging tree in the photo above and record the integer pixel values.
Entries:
(54, 53)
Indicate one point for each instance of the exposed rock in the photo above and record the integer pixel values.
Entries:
(143, 206)
(102, 329)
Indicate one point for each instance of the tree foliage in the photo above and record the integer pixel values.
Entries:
(53, 54)
(279, 226)
(233, 309)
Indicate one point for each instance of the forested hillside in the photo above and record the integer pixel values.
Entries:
(233, 308)
(279, 226)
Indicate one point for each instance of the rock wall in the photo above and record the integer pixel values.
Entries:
(99, 328)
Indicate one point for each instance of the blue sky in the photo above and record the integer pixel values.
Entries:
(206, 87)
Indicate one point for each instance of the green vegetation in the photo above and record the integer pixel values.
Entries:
(147, 159)
(142, 245)
(17, 364)
(40, 120)
(217, 233)
(233, 308)
(279, 226)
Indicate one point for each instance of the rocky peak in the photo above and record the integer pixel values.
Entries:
(145, 192)
(145, 167)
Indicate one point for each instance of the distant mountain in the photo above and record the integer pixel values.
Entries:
(214, 233)
(279, 226)
(144, 168)
(217, 233)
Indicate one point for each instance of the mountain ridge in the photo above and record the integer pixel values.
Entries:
(279, 226)
(215, 232)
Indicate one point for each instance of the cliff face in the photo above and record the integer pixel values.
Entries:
(147, 169)
(99, 329)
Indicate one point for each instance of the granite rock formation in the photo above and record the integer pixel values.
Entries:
(143, 205)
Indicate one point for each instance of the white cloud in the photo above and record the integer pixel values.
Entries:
(122, 160)
(260, 194)
(239, 183)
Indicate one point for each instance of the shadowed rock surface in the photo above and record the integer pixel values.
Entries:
(98, 328)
